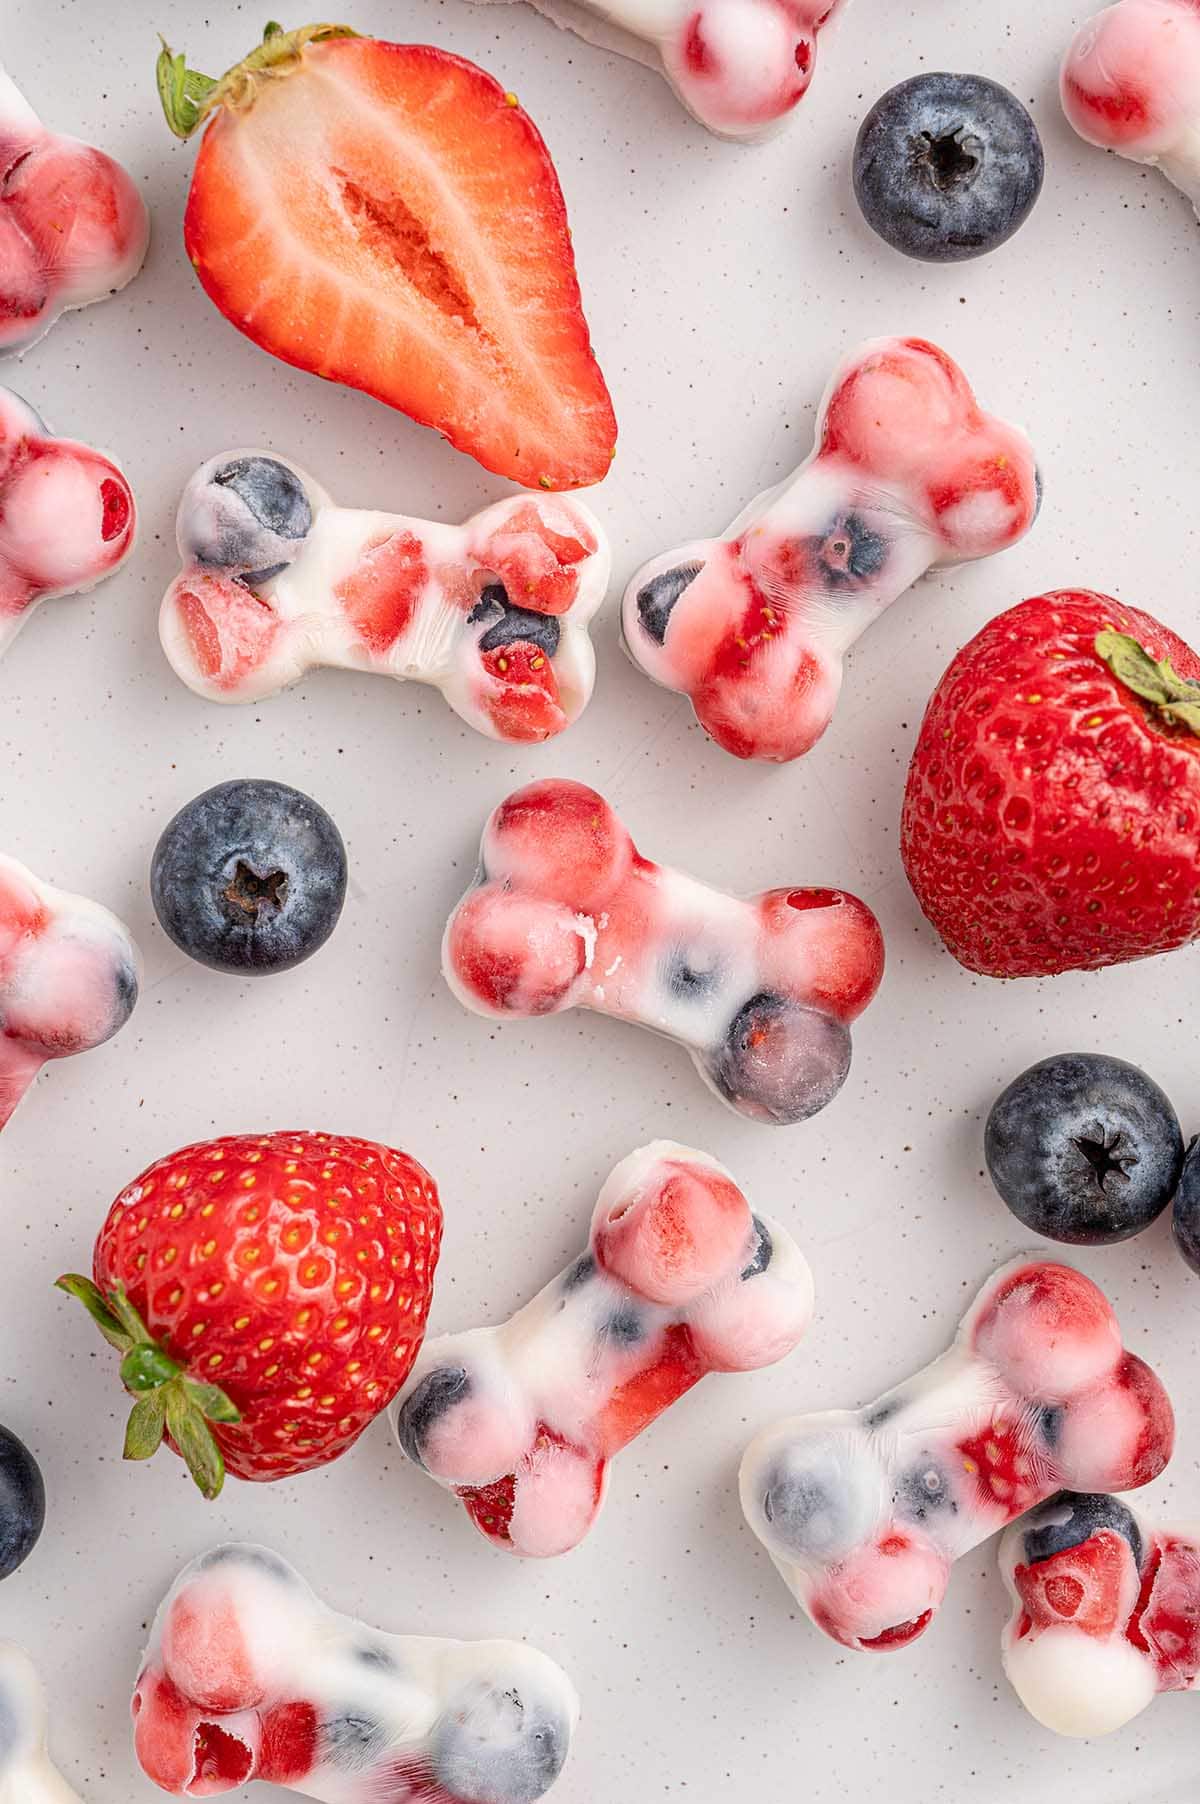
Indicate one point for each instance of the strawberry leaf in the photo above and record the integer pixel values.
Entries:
(182, 91)
(188, 97)
(195, 1440)
(144, 1430)
(85, 1292)
(147, 1368)
(1175, 699)
(212, 1402)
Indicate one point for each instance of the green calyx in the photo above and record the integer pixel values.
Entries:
(1172, 701)
(168, 1401)
(188, 97)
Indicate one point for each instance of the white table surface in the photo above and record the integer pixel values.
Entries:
(721, 283)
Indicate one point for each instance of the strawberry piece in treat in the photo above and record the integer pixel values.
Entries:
(68, 978)
(277, 579)
(908, 474)
(73, 227)
(342, 1712)
(1034, 1394)
(1052, 812)
(679, 1279)
(268, 1295)
(67, 517)
(1130, 82)
(412, 242)
(1105, 1612)
(566, 912)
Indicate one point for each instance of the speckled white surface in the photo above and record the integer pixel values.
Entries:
(722, 284)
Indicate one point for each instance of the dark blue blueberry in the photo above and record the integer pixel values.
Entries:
(542, 630)
(249, 877)
(923, 1489)
(688, 978)
(1084, 1149)
(579, 1273)
(764, 1251)
(439, 1391)
(1185, 1217)
(491, 604)
(625, 1326)
(657, 599)
(947, 167)
(780, 1062)
(494, 1747)
(352, 1740)
(850, 552)
(22, 1503)
(246, 515)
(1072, 1518)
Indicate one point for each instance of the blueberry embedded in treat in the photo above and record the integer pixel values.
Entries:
(657, 599)
(249, 877)
(246, 1553)
(22, 1503)
(1072, 1518)
(923, 1490)
(438, 1392)
(522, 624)
(246, 515)
(764, 1251)
(947, 167)
(780, 1062)
(805, 1502)
(492, 1746)
(851, 552)
(1084, 1148)
(625, 1326)
(351, 1741)
(578, 1274)
(689, 977)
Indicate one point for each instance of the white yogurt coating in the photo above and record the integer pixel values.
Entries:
(26, 1773)
(416, 600)
(248, 1675)
(739, 66)
(73, 226)
(864, 1512)
(678, 1279)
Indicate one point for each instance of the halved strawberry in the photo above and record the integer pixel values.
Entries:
(524, 702)
(387, 216)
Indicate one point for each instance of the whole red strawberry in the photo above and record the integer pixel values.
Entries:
(1052, 814)
(268, 1293)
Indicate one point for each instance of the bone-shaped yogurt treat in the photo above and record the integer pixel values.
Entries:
(865, 1511)
(565, 912)
(67, 517)
(907, 474)
(249, 1676)
(679, 1278)
(26, 1774)
(1106, 1611)
(68, 978)
(1130, 82)
(277, 579)
(739, 66)
(73, 227)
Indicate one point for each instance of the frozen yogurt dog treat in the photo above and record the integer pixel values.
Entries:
(565, 912)
(277, 579)
(1106, 1611)
(249, 1676)
(26, 1775)
(908, 473)
(68, 978)
(739, 66)
(679, 1278)
(73, 228)
(865, 1511)
(67, 518)
(1130, 82)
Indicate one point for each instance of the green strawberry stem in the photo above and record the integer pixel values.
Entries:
(168, 1401)
(1174, 699)
(188, 97)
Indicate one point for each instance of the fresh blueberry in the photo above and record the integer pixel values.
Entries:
(246, 515)
(438, 1392)
(923, 1489)
(764, 1251)
(1185, 1216)
(1072, 1518)
(656, 600)
(1084, 1149)
(249, 877)
(780, 1062)
(494, 1747)
(22, 1503)
(947, 167)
